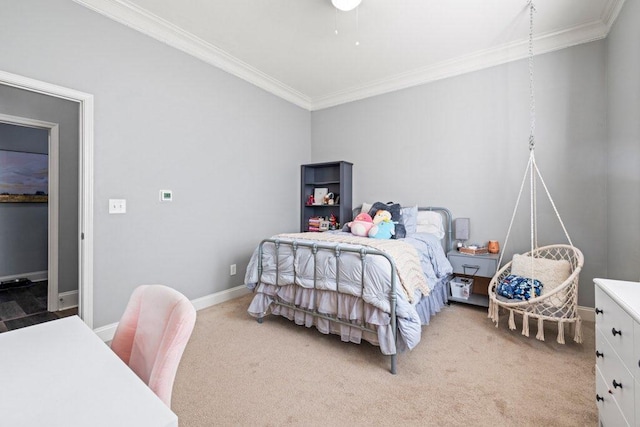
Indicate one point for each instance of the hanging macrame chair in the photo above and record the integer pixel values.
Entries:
(557, 267)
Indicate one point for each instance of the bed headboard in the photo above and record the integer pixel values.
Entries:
(447, 221)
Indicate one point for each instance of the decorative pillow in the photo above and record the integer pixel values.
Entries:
(430, 222)
(396, 216)
(549, 271)
(518, 287)
(410, 219)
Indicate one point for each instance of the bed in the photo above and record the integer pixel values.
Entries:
(380, 291)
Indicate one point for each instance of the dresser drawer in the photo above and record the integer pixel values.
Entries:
(616, 325)
(608, 410)
(618, 380)
(637, 402)
(635, 363)
(473, 265)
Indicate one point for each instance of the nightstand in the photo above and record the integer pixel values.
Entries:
(481, 268)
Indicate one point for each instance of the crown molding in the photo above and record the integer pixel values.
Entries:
(141, 20)
(153, 26)
(611, 12)
(544, 43)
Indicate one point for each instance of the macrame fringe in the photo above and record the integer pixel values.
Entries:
(540, 334)
(525, 324)
(560, 332)
(578, 334)
(494, 313)
(512, 322)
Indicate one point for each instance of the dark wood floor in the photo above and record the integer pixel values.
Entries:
(26, 306)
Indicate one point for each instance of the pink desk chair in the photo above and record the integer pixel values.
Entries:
(152, 335)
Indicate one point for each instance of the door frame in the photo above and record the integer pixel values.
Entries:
(53, 206)
(85, 196)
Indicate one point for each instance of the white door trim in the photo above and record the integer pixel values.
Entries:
(53, 199)
(85, 222)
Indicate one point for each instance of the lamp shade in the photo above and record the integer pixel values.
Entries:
(462, 228)
(346, 5)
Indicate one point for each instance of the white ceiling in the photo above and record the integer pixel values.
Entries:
(289, 47)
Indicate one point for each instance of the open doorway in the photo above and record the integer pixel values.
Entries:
(78, 238)
(29, 212)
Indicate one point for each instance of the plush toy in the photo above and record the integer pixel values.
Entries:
(382, 216)
(384, 230)
(361, 225)
(383, 227)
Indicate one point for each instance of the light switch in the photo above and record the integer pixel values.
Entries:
(117, 206)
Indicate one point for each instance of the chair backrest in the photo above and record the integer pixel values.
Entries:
(152, 335)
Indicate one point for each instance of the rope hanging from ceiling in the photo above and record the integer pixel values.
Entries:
(550, 273)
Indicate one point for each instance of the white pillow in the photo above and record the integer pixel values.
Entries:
(430, 222)
(550, 272)
(366, 207)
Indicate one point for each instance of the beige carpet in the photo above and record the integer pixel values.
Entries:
(464, 372)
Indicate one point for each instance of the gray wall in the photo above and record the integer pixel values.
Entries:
(623, 82)
(36, 106)
(23, 226)
(462, 143)
(230, 151)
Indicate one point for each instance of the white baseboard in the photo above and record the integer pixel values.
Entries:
(67, 300)
(587, 314)
(35, 276)
(107, 332)
(220, 297)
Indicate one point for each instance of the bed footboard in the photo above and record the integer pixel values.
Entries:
(316, 282)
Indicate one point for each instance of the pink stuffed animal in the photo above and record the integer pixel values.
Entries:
(361, 225)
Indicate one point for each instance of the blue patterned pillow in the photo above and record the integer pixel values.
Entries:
(518, 287)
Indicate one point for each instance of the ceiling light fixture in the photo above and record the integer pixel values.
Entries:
(346, 5)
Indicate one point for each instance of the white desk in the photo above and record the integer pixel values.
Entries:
(60, 373)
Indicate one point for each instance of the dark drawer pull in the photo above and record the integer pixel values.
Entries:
(616, 384)
(598, 354)
(598, 311)
(614, 332)
(599, 398)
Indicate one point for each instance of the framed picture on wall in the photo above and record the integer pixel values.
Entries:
(24, 177)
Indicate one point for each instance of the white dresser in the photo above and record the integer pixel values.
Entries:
(618, 352)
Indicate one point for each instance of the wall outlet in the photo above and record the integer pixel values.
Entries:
(232, 270)
(117, 206)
